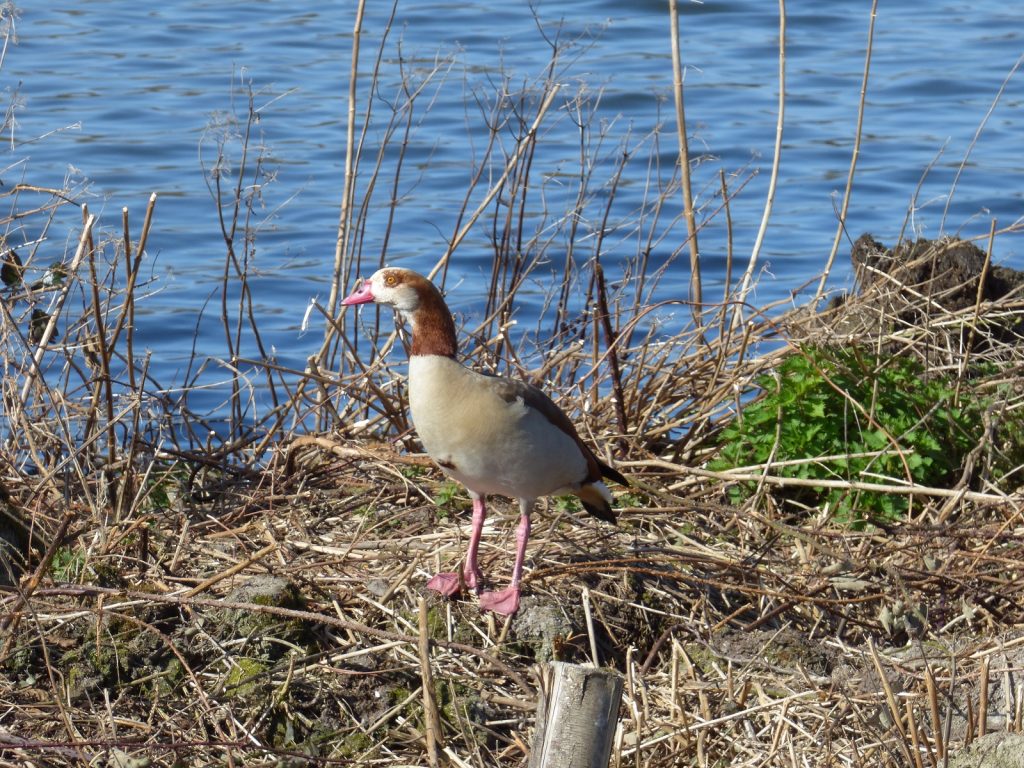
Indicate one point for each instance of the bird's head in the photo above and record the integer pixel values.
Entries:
(418, 300)
(400, 288)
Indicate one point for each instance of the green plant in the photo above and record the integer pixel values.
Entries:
(67, 564)
(164, 486)
(566, 504)
(448, 495)
(632, 499)
(844, 414)
(412, 471)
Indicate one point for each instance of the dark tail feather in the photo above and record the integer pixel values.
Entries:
(596, 504)
(611, 473)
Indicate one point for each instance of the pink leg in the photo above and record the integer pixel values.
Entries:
(449, 584)
(471, 570)
(506, 602)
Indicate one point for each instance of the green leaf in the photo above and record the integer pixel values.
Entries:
(808, 414)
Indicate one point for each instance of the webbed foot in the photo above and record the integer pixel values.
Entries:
(505, 602)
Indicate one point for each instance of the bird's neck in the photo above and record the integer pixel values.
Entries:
(433, 329)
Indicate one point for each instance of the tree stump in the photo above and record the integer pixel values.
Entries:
(576, 717)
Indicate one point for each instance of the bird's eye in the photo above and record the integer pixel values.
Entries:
(391, 281)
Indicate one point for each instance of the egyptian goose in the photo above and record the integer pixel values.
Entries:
(493, 434)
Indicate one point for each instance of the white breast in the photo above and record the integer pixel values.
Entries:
(487, 442)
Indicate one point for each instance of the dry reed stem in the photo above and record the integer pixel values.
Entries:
(348, 194)
(748, 274)
(974, 139)
(983, 698)
(521, 149)
(696, 290)
(434, 737)
(51, 323)
(854, 156)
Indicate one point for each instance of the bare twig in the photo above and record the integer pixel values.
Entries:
(696, 293)
(748, 274)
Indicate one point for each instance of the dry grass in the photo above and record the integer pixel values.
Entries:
(753, 635)
(258, 598)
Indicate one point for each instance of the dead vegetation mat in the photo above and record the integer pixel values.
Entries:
(277, 615)
(288, 631)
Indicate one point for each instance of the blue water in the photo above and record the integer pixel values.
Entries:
(126, 95)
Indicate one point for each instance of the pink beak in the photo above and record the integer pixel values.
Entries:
(362, 294)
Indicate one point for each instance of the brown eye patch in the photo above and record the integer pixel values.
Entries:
(391, 280)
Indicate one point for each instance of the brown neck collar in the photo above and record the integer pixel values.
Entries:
(433, 329)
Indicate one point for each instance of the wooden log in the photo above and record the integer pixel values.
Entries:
(576, 717)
